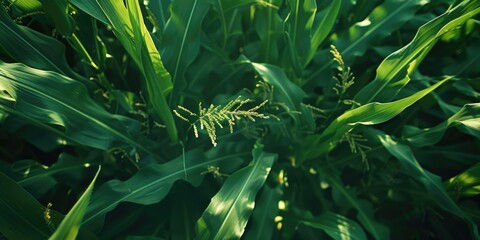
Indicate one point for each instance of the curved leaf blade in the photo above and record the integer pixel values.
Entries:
(392, 72)
(32, 48)
(41, 96)
(153, 182)
(229, 210)
(70, 225)
(336, 226)
(181, 41)
(468, 115)
(369, 114)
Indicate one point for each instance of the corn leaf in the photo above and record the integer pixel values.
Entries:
(38, 96)
(229, 210)
(336, 226)
(391, 15)
(365, 211)
(429, 180)
(468, 115)
(153, 182)
(262, 223)
(32, 48)
(466, 183)
(70, 225)
(369, 114)
(392, 72)
(181, 41)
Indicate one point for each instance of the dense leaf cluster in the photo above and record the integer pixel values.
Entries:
(346, 119)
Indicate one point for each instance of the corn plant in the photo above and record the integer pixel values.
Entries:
(251, 119)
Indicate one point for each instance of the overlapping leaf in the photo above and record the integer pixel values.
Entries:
(369, 114)
(230, 209)
(39, 96)
(70, 225)
(153, 182)
(392, 74)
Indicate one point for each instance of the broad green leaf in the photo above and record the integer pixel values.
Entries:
(70, 225)
(40, 97)
(32, 48)
(370, 114)
(229, 210)
(181, 41)
(57, 11)
(468, 116)
(365, 211)
(157, 78)
(381, 22)
(262, 223)
(322, 26)
(466, 183)
(128, 25)
(153, 182)
(284, 90)
(430, 181)
(392, 74)
(336, 226)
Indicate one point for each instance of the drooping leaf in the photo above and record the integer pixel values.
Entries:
(369, 114)
(468, 116)
(70, 225)
(153, 182)
(336, 226)
(392, 74)
(266, 209)
(39, 97)
(230, 209)
(430, 181)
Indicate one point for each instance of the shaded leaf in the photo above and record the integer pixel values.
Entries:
(153, 182)
(262, 223)
(32, 48)
(365, 211)
(39, 97)
(230, 209)
(181, 41)
(70, 225)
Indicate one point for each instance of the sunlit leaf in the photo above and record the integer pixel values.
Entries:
(230, 209)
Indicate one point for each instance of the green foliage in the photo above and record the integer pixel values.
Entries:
(346, 119)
